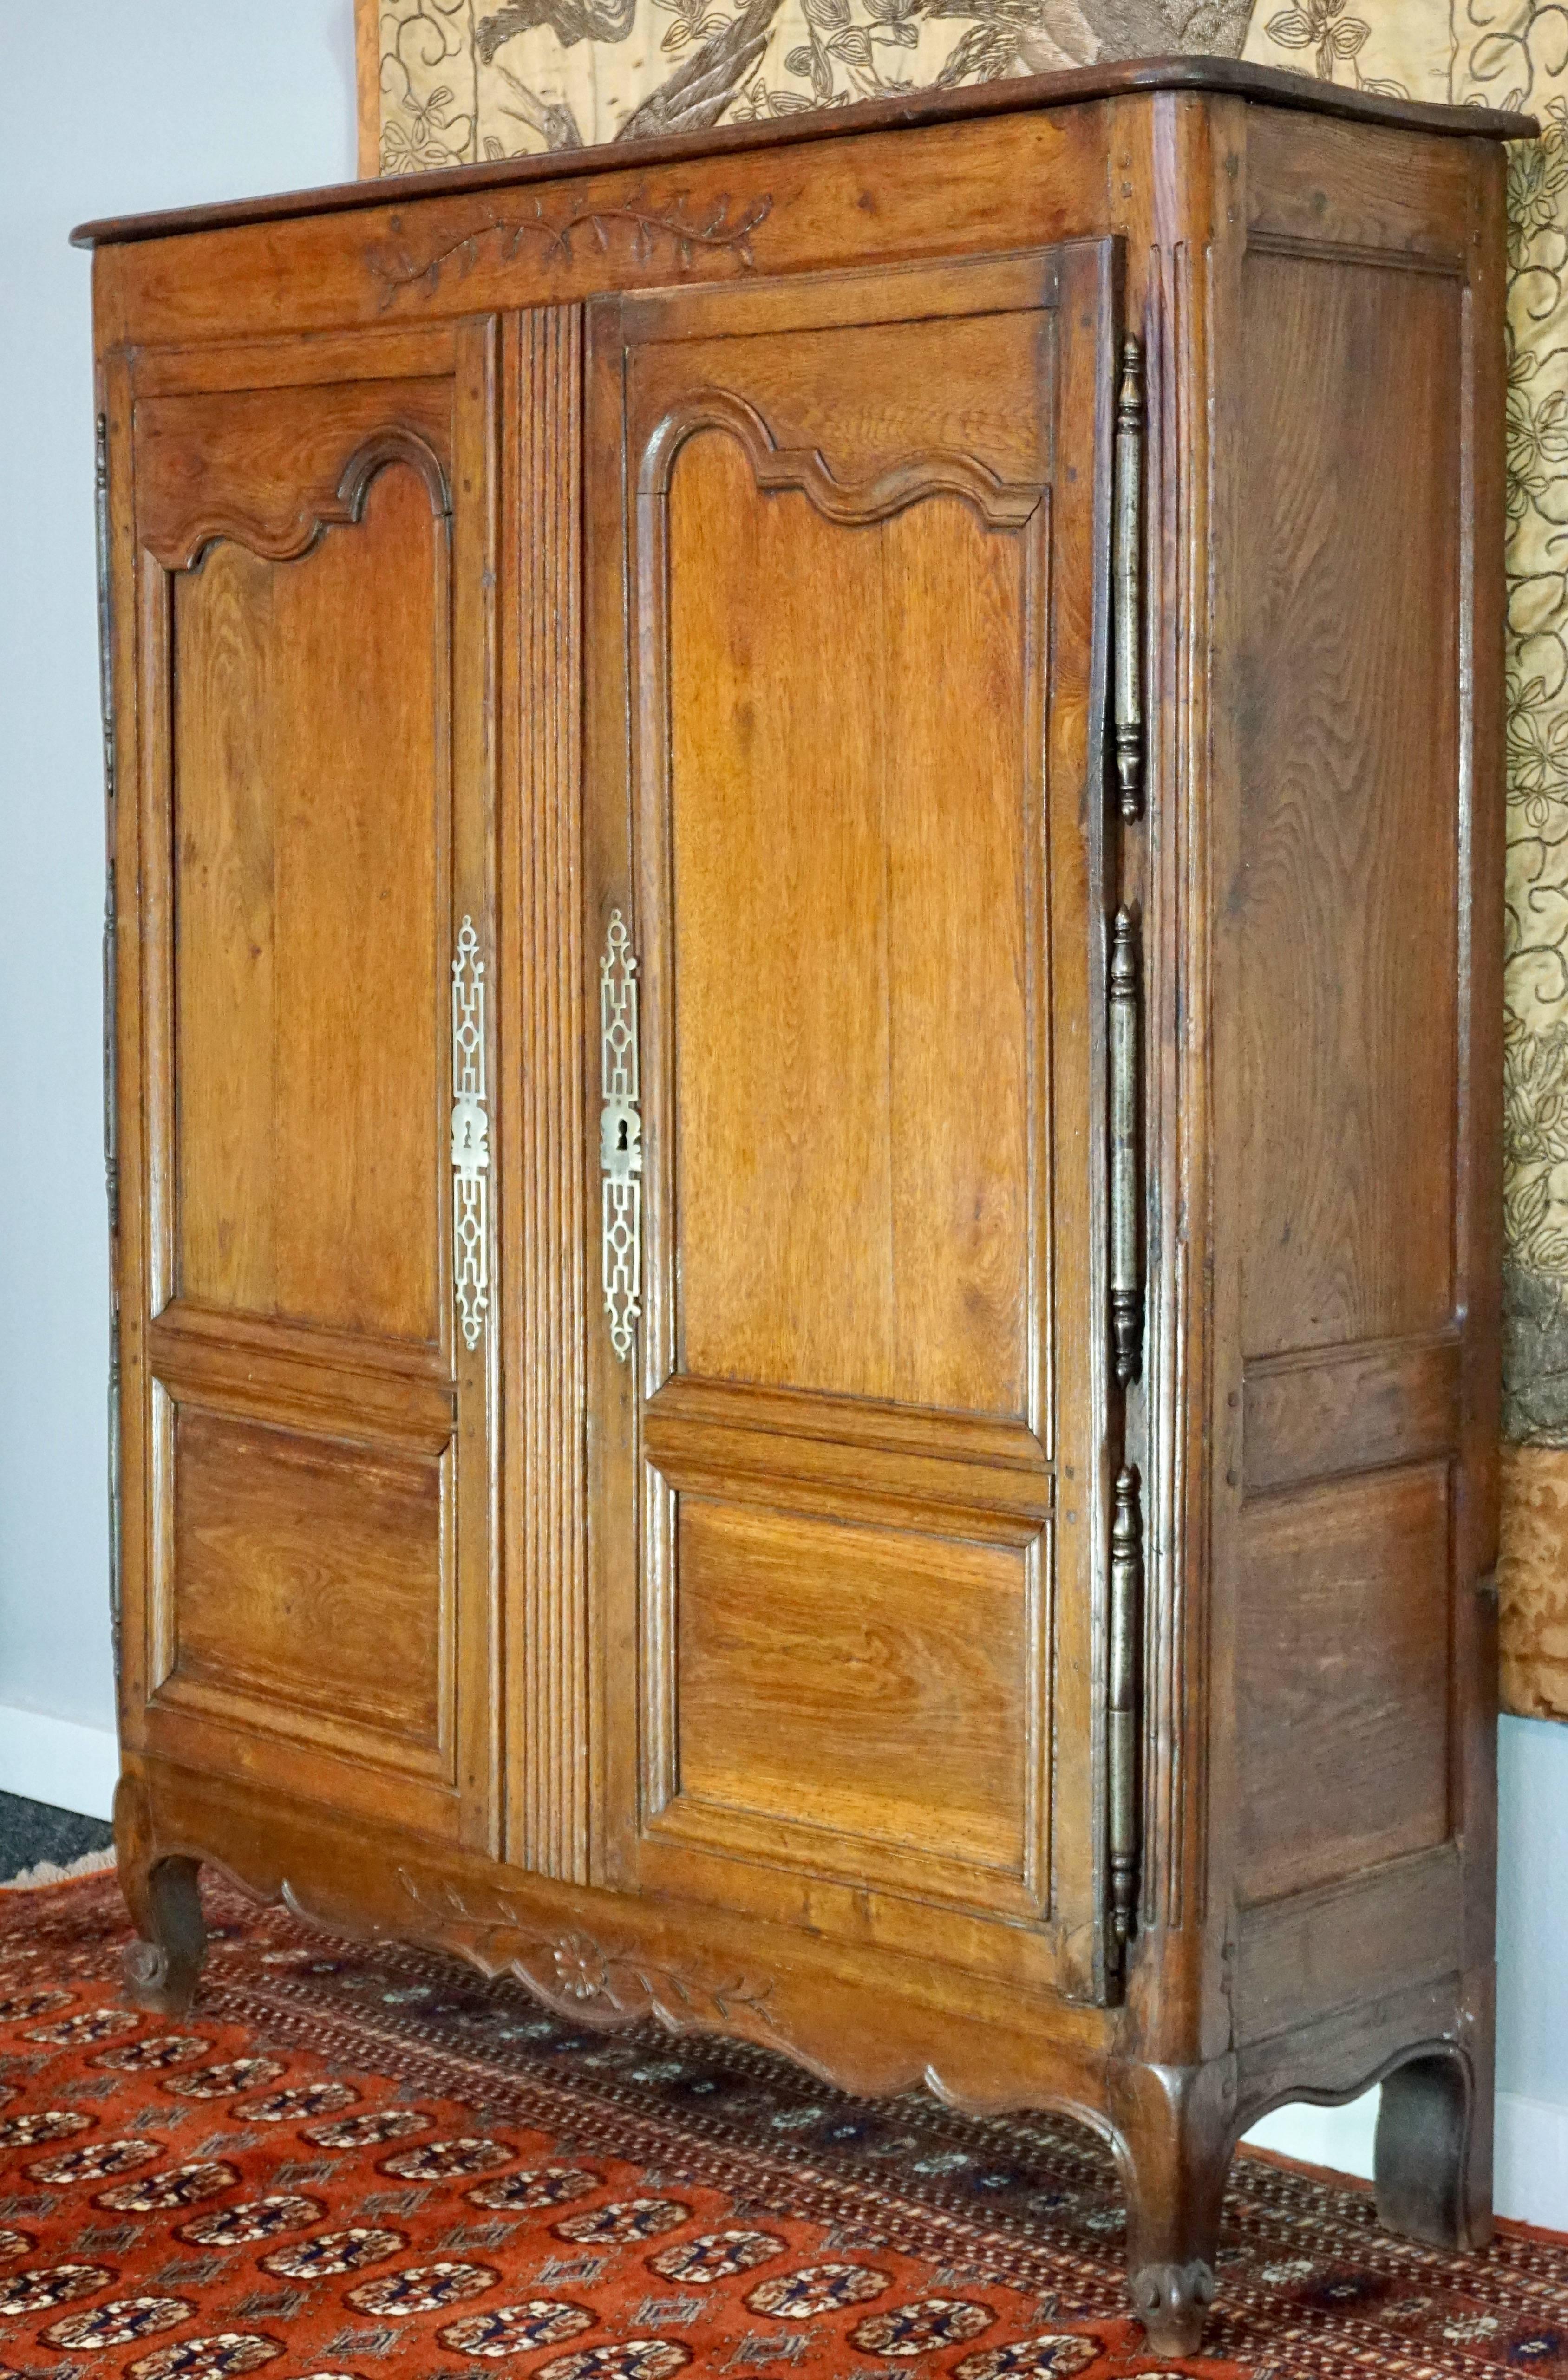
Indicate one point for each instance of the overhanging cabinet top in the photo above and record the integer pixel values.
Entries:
(937, 173)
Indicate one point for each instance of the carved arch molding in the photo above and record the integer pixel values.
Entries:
(850, 502)
(192, 495)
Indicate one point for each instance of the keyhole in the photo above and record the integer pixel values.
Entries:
(622, 1145)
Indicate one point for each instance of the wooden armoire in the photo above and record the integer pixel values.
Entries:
(804, 927)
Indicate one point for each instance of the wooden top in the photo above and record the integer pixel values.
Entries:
(1020, 96)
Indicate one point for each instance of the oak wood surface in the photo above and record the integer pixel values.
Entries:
(545, 1226)
(305, 893)
(857, 1683)
(312, 567)
(1346, 889)
(838, 899)
(337, 1550)
(1276, 88)
(468, 564)
(1319, 1412)
(1343, 1686)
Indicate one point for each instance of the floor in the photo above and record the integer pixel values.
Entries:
(31, 1832)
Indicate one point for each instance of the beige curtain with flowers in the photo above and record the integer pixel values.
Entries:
(446, 82)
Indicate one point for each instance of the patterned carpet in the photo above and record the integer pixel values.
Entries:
(358, 2163)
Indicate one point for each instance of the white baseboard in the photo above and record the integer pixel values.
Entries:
(1531, 2161)
(53, 1760)
(1339, 2138)
(1531, 2184)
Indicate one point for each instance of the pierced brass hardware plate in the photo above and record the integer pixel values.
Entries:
(620, 1137)
(470, 1140)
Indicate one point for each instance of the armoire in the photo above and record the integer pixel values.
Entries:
(803, 961)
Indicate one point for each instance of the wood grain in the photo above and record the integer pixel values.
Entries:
(1345, 893)
(816, 759)
(296, 1562)
(1340, 1409)
(548, 1132)
(1343, 1679)
(782, 1643)
(1270, 86)
(1338, 190)
(273, 467)
(856, 1684)
(1314, 1951)
(311, 1150)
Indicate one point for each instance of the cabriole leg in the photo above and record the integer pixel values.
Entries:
(1175, 2131)
(1433, 2159)
(161, 1968)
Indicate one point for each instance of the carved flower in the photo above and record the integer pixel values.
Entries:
(580, 1968)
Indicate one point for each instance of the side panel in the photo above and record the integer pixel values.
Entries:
(314, 556)
(1363, 940)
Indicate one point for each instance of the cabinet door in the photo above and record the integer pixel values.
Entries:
(846, 933)
(308, 1307)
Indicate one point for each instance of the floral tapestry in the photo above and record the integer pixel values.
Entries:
(447, 82)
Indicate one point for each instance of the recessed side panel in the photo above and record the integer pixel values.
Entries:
(1345, 1036)
(1349, 741)
(1343, 1679)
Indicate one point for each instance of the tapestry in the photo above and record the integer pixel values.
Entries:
(356, 2160)
(450, 81)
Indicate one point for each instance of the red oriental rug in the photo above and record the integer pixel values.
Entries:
(353, 2162)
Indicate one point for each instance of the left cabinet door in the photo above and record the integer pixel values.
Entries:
(302, 596)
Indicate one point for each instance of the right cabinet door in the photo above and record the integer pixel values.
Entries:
(846, 933)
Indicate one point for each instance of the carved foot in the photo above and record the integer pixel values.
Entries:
(1173, 2302)
(1173, 2126)
(1433, 2159)
(160, 1971)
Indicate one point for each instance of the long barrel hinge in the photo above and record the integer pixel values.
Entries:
(1126, 581)
(1122, 1033)
(1122, 1710)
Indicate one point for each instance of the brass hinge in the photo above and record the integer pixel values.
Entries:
(1122, 1035)
(1126, 581)
(1122, 1712)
